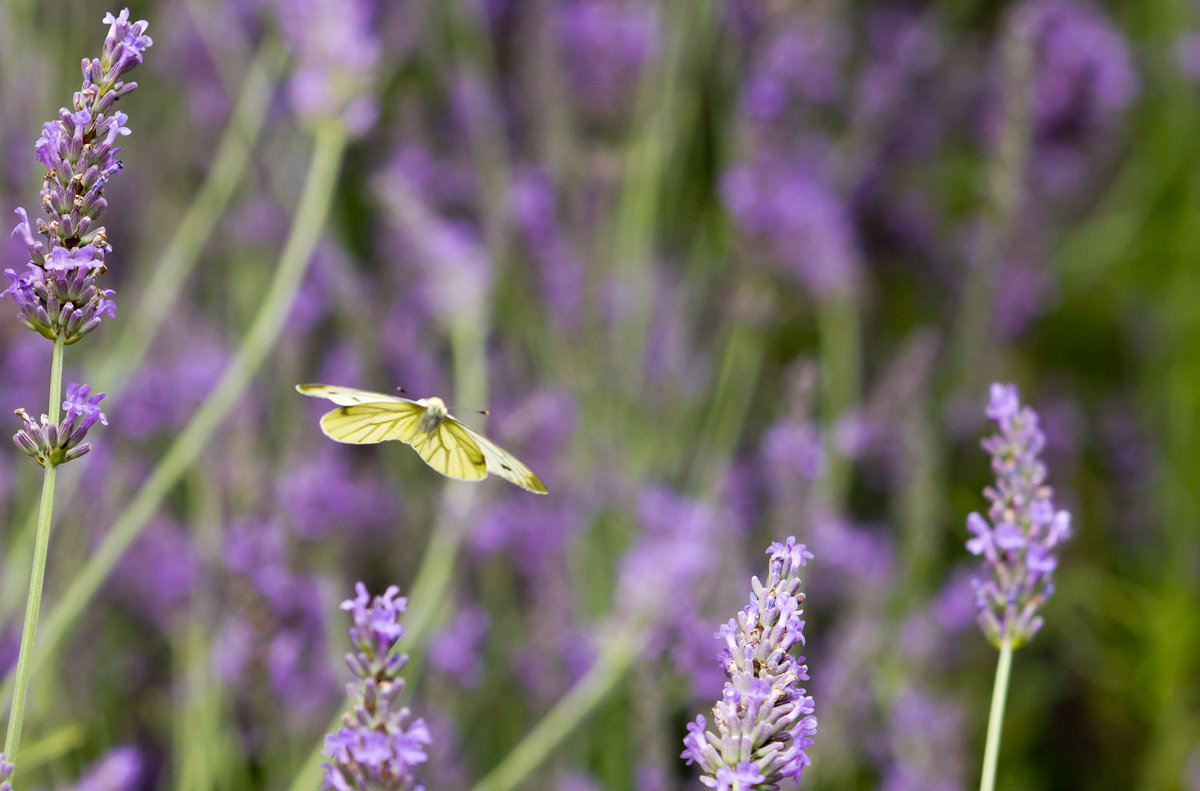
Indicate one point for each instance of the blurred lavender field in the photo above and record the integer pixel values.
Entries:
(723, 272)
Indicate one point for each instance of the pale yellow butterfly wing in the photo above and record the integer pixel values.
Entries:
(501, 462)
(452, 451)
(365, 424)
(348, 396)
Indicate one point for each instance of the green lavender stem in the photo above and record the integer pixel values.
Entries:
(310, 217)
(996, 717)
(33, 606)
(841, 379)
(570, 710)
(170, 270)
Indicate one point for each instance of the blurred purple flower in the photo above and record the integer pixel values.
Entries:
(1187, 55)
(455, 649)
(166, 391)
(337, 53)
(1018, 539)
(158, 572)
(535, 212)
(379, 745)
(57, 293)
(324, 493)
(793, 451)
(1084, 79)
(925, 740)
(674, 552)
(651, 777)
(805, 226)
(606, 45)
(120, 770)
(6, 770)
(800, 63)
(576, 781)
(764, 721)
(50, 443)
(287, 639)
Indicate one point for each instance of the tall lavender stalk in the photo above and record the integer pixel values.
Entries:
(58, 294)
(1017, 541)
(764, 719)
(379, 744)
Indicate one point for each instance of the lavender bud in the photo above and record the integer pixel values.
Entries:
(55, 444)
(764, 720)
(66, 264)
(1017, 539)
(378, 746)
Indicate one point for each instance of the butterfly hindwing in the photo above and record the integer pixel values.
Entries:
(452, 451)
(507, 466)
(363, 424)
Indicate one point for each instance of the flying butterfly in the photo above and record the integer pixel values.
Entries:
(451, 448)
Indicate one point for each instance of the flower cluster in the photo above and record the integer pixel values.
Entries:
(6, 770)
(1018, 537)
(377, 747)
(337, 52)
(57, 293)
(764, 720)
(54, 444)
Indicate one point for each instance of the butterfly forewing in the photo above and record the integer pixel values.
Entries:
(349, 396)
(364, 424)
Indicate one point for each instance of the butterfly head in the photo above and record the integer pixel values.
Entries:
(435, 413)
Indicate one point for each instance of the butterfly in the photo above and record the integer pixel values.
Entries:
(451, 448)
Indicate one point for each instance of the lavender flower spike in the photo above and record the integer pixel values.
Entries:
(765, 719)
(6, 770)
(55, 444)
(1018, 538)
(57, 293)
(377, 747)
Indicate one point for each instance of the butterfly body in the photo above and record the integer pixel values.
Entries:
(448, 446)
(435, 413)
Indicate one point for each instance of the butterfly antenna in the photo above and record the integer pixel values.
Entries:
(400, 389)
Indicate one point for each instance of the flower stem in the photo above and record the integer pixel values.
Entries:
(41, 549)
(170, 271)
(570, 710)
(996, 718)
(311, 213)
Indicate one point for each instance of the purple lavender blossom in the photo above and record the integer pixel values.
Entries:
(6, 770)
(607, 44)
(55, 444)
(378, 747)
(119, 770)
(1084, 80)
(764, 720)
(804, 225)
(57, 293)
(1187, 56)
(800, 63)
(337, 53)
(1018, 538)
(455, 649)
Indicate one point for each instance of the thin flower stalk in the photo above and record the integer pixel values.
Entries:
(1017, 542)
(58, 295)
